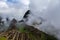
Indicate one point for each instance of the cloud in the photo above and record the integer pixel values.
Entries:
(3, 5)
(26, 2)
(16, 3)
(50, 11)
(3, 0)
(13, 8)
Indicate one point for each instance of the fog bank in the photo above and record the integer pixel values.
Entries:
(49, 10)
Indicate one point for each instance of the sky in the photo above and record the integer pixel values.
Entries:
(47, 9)
(13, 8)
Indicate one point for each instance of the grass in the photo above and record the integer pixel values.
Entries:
(3, 38)
(22, 30)
(33, 36)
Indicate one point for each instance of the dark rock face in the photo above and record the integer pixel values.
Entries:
(13, 24)
(7, 19)
(26, 14)
(21, 21)
(1, 22)
(0, 18)
(14, 21)
(25, 17)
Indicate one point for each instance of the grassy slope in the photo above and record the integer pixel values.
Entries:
(36, 36)
(33, 34)
(3, 38)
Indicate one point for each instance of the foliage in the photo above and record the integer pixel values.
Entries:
(34, 36)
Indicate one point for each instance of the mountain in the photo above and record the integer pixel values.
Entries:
(25, 33)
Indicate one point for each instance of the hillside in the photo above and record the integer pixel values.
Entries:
(25, 33)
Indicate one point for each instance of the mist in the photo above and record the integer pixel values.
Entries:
(44, 15)
(49, 11)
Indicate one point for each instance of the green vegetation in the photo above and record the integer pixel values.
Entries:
(3, 38)
(29, 33)
(22, 30)
(34, 36)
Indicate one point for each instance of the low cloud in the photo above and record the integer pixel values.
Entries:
(12, 8)
(50, 11)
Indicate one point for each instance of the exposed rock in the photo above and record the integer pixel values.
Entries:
(13, 24)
